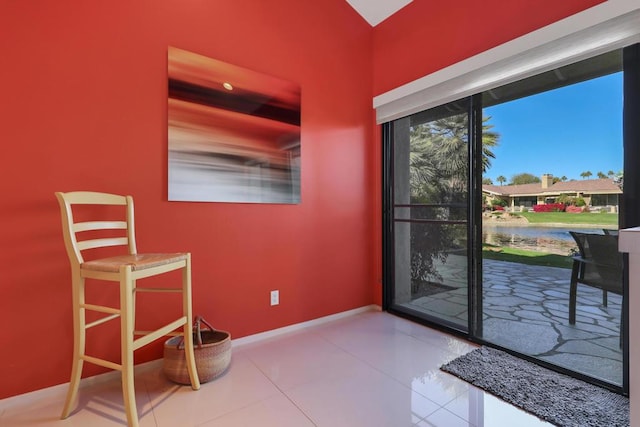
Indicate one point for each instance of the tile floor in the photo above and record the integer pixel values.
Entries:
(369, 369)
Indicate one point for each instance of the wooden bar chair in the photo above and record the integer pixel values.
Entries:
(126, 270)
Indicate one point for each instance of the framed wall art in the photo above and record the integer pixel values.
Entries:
(234, 133)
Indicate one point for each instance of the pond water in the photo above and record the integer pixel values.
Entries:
(544, 239)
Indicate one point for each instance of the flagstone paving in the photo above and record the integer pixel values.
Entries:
(526, 308)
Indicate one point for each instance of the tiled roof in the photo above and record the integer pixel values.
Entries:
(588, 186)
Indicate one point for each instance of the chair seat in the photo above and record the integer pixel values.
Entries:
(136, 261)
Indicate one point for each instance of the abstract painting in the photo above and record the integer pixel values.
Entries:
(234, 134)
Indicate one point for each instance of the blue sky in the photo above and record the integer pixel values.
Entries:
(562, 132)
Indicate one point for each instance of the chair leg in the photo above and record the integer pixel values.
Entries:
(74, 384)
(573, 289)
(126, 345)
(604, 298)
(188, 327)
(133, 306)
(78, 345)
(128, 392)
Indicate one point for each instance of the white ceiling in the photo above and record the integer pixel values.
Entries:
(376, 11)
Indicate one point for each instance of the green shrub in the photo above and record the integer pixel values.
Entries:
(565, 199)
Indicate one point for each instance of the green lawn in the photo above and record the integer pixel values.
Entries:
(609, 219)
(526, 257)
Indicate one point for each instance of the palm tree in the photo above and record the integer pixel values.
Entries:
(563, 178)
(439, 155)
(586, 174)
(501, 179)
(601, 175)
(490, 140)
(611, 174)
(438, 172)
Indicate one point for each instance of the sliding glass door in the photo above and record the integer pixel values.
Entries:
(484, 198)
(429, 159)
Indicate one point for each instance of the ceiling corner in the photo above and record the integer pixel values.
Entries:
(376, 11)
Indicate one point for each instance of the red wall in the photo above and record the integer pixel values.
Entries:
(83, 88)
(83, 106)
(426, 36)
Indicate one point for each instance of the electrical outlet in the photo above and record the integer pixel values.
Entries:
(275, 297)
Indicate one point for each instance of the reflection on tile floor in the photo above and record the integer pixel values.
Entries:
(370, 369)
(526, 309)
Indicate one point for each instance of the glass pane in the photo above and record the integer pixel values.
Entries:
(556, 172)
(433, 277)
(431, 161)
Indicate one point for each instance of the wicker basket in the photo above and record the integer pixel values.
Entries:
(212, 349)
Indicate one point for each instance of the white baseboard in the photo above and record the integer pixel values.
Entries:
(299, 326)
(61, 389)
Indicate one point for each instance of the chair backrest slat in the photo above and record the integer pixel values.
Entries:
(94, 240)
(99, 225)
(102, 243)
(94, 198)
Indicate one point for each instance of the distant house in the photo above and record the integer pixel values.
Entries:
(595, 192)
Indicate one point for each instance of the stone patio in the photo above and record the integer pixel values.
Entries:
(526, 308)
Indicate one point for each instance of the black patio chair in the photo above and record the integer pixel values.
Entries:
(583, 263)
(601, 267)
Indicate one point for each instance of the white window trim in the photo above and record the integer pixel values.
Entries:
(610, 25)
